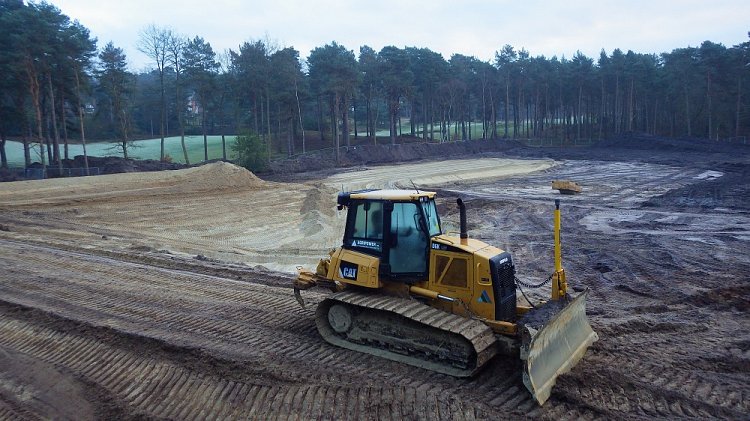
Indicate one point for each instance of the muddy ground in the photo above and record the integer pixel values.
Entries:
(166, 295)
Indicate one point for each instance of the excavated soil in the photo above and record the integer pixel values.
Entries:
(167, 295)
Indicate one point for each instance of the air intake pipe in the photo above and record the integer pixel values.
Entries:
(462, 218)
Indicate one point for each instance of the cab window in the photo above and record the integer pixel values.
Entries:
(368, 222)
(431, 217)
(409, 250)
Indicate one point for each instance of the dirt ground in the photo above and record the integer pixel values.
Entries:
(167, 294)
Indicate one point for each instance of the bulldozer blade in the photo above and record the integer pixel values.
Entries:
(552, 347)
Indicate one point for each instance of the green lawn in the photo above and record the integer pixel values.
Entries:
(142, 149)
(150, 148)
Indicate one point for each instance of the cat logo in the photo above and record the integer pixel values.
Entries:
(484, 298)
(348, 270)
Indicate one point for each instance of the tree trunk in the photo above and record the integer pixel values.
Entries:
(580, 109)
(268, 123)
(345, 122)
(602, 111)
(34, 91)
(392, 122)
(376, 117)
(203, 128)
(299, 113)
(180, 108)
(290, 136)
(47, 138)
(333, 117)
(122, 116)
(432, 119)
(55, 132)
(221, 127)
(708, 100)
(618, 107)
(687, 112)
(493, 132)
(354, 107)
(334, 126)
(320, 119)
(26, 136)
(631, 101)
(739, 106)
(484, 113)
(424, 118)
(162, 112)
(255, 115)
(278, 125)
(370, 118)
(398, 120)
(3, 157)
(184, 147)
(64, 125)
(182, 138)
(507, 104)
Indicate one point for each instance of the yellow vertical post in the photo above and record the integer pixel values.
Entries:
(559, 286)
(558, 248)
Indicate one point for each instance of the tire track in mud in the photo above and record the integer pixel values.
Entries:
(257, 326)
(638, 386)
(10, 411)
(672, 318)
(237, 349)
(152, 384)
(610, 183)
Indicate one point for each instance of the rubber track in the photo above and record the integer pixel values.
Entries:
(477, 333)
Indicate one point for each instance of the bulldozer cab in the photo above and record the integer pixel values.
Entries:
(393, 225)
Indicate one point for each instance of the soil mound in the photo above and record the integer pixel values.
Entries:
(221, 175)
(213, 177)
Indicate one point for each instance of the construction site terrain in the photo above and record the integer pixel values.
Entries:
(168, 295)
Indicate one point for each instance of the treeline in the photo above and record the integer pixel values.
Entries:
(56, 86)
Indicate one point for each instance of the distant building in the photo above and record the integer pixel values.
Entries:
(193, 106)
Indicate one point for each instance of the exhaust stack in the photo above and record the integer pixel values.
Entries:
(462, 218)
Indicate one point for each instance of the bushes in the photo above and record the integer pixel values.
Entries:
(252, 152)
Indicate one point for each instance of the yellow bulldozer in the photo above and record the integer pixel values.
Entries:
(404, 291)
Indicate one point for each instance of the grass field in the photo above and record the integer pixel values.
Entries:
(141, 149)
(150, 148)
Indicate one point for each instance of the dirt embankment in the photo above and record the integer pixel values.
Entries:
(381, 154)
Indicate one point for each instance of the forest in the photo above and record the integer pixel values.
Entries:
(58, 86)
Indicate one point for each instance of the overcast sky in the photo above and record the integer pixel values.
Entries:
(473, 28)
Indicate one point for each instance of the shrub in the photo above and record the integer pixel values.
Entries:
(251, 152)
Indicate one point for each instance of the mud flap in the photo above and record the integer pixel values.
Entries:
(553, 347)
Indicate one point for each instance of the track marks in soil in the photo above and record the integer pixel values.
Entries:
(636, 386)
(160, 383)
(248, 347)
(258, 331)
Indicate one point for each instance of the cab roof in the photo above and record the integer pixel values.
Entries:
(386, 194)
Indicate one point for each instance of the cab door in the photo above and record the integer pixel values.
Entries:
(409, 242)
